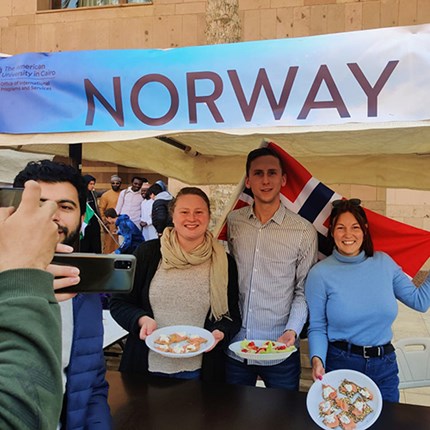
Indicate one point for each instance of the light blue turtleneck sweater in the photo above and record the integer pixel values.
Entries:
(353, 299)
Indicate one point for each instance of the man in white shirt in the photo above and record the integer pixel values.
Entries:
(130, 200)
(148, 230)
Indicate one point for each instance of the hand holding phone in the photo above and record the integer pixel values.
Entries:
(64, 276)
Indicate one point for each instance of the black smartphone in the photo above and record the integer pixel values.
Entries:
(99, 273)
(10, 197)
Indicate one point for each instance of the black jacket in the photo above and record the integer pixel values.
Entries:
(160, 215)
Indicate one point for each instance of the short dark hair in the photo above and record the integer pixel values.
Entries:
(111, 213)
(262, 152)
(53, 172)
(186, 191)
(154, 189)
(360, 215)
(139, 178)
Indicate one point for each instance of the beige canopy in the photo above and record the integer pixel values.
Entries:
(389, 155)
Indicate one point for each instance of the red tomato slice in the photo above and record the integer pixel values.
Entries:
(281, 347)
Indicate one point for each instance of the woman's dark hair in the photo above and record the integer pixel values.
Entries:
(88, 179)
(359, 214)
(262, 152)
(53, 172)
(187, 191)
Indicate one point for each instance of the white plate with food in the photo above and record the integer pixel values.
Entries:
(344, 395)
(180, 341)
(262, 350)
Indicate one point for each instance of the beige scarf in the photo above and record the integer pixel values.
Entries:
(173, 256)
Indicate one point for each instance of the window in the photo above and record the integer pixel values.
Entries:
(68, 4)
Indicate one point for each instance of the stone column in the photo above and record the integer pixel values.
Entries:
(222, 26)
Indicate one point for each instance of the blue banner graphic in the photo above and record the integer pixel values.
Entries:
(370, 76)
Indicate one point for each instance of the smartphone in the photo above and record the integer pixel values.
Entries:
(99, 273)
(10, 197)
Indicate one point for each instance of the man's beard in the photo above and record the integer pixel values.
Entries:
(70, 237)
(115, 187)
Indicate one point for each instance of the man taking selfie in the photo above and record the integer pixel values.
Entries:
(85, 388)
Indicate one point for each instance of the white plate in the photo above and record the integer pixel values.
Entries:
(235, 347)
(314, 397)
(189, 330)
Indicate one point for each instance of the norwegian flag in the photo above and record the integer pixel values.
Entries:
(310, 198)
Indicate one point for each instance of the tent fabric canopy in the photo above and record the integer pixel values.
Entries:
(12, 162)
(389, 156)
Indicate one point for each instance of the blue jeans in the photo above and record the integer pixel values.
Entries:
(282, 375)
(382, 370)
(194, 374)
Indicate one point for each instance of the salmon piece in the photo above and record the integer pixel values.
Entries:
(331, 421)
(345, 422)
(365, 393)
(348, 388)
(328, 392)
(343, 403)
(192, 347)
(177, 337)
(163, 340)
(163, 348)
(196, 339)
(326, 407)
(360, 409)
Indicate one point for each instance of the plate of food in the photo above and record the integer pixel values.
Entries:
(264, 350)
(180, 341)
(344, 399)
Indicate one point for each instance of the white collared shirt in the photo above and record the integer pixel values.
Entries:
(273, 260)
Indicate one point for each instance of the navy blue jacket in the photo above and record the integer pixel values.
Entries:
(132, 235)
(85, 402)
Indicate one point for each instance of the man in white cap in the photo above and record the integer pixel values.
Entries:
(109, 199)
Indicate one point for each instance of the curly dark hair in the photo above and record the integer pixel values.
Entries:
(53, 172)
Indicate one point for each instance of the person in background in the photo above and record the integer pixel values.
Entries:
(91, 238)
(132, 236)
(109, 199)
(148, 230)
(85, 387)
(274, 249)
(110, 218)
(130, 200)
(162, 185)
(160, 215)
(352, 297)
(30, 359)
(184, 278)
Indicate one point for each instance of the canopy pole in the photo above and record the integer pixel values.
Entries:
(75, 155)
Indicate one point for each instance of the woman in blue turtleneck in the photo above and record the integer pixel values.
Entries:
(352, 303)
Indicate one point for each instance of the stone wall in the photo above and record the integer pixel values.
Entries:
(29, 25)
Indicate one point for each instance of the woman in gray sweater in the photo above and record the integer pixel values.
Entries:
(185, 278)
